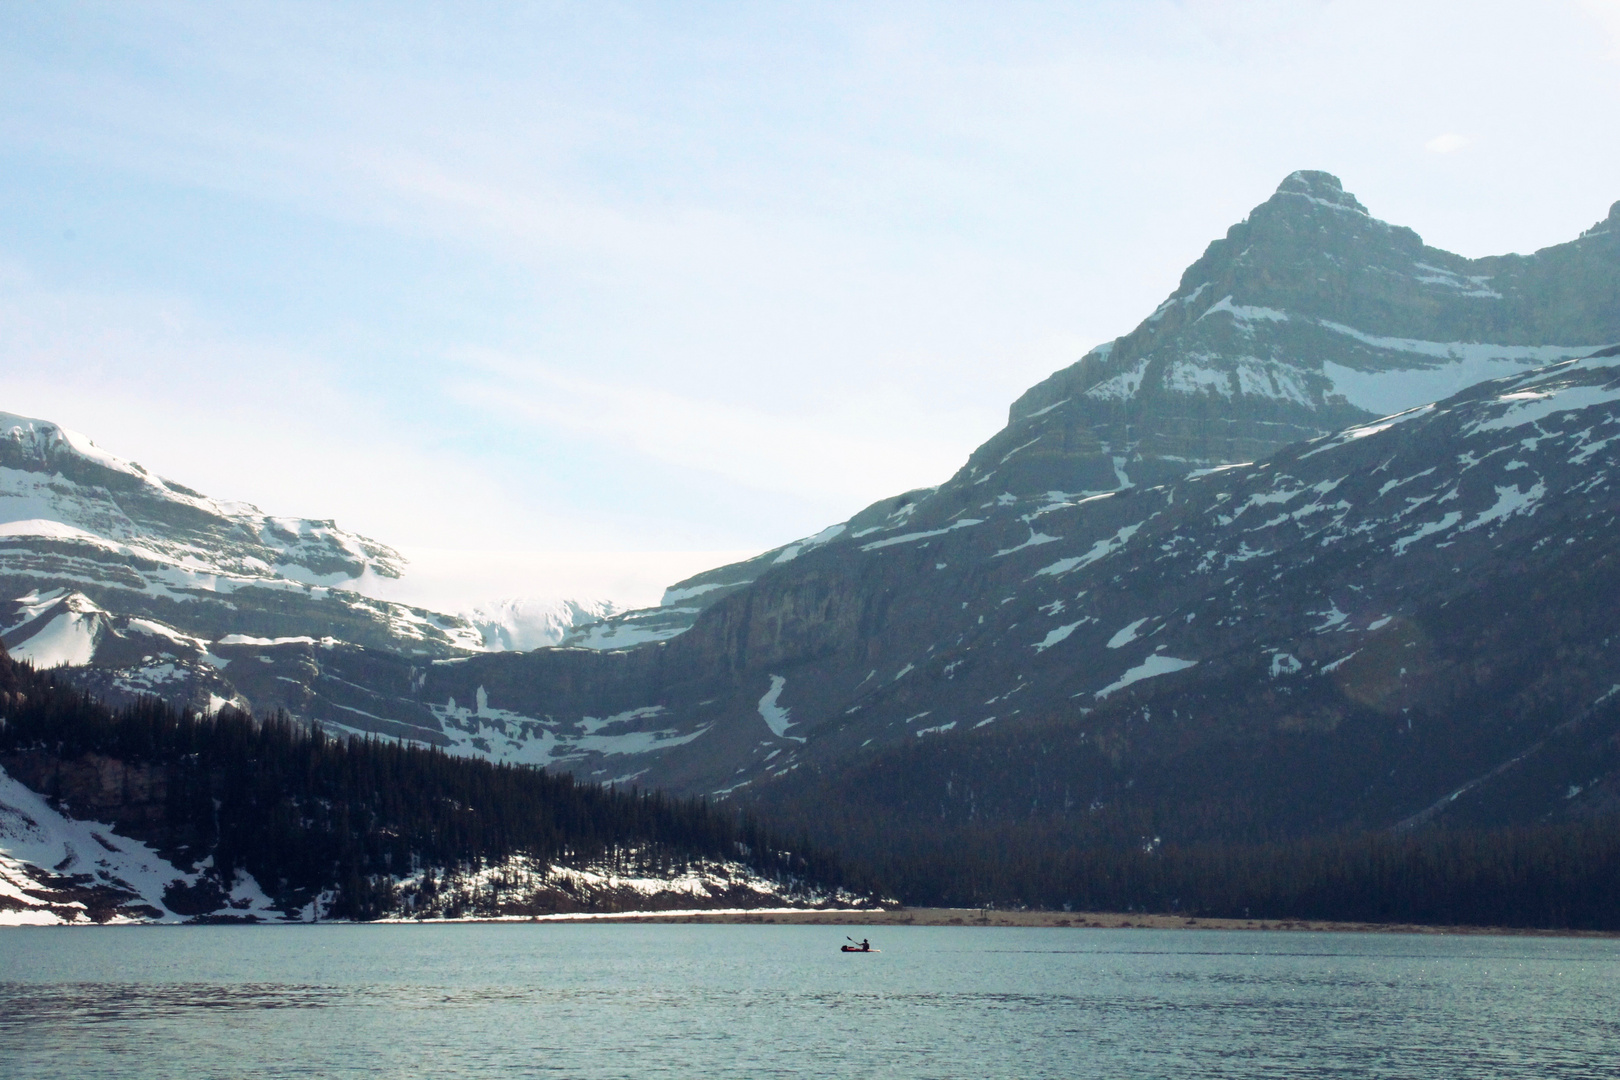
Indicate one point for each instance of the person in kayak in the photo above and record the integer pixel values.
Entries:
(866, 946)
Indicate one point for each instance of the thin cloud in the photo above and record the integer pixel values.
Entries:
(1607, 14)
(1449, 143)
(863, 451)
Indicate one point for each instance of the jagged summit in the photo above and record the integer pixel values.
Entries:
(1609, 225)
(1308, 315)
(1319, 187)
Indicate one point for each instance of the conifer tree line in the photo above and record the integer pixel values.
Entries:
(305, 812)
(1563, 876)
(1274, 827)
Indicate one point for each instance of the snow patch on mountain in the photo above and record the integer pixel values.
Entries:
(1155, 665)
(908, 538)
(1099, 550)
(1057, 634)
(1530, 406)
(1244, 313)
(1462, 365)
(54, 628)
(1122, 386)
(506, 735)
(775, 714)
(793, 550)
(1126, 634)
(631, 628)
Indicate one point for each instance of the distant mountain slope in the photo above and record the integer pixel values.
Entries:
(150, 587)
(523, 624)
(75, 516)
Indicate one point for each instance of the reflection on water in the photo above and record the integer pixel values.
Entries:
(636, 1001)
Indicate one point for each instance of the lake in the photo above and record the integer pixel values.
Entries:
(592, 1000)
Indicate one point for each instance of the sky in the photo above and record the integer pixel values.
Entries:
(580, 298)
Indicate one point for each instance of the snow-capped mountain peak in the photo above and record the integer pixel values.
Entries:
(523, 624)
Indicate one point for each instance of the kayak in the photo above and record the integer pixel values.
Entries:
(856, 948)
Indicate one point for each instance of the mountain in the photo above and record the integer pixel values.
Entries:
(146, 586)
(1406, 622)
(1324, 549)
(1308, 317)
(1314, 588)
(1090, 567)
(991, 602)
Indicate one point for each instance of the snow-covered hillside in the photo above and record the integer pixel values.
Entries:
(75, 518)
(56, 869)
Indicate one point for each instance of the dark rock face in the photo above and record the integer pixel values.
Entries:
(134, 797)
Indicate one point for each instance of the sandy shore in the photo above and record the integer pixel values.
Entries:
(1074, 920)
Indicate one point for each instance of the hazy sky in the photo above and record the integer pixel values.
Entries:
(685, 276)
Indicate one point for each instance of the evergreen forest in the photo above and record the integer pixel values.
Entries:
(307, 813)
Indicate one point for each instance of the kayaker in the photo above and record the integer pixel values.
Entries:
(866, 946)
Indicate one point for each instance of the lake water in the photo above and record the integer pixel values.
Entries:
(520, 1000)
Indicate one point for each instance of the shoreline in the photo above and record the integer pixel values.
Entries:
(864, 917)
(1079, 920)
